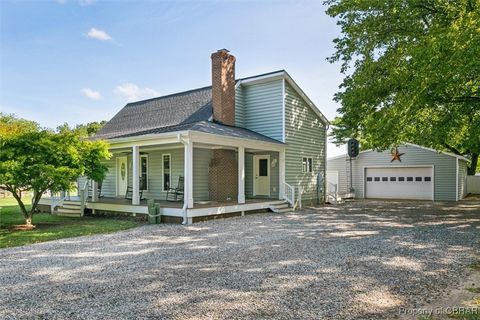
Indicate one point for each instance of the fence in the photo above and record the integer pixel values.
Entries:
(473, 184)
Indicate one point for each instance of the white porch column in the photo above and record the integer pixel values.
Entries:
(94, 191)
(281, 172)
(241, 174)
(188, 192)
(135, 175)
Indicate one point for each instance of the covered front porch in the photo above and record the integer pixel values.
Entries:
(220, 174)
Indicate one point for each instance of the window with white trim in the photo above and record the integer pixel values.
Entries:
(307, 164)
(144, 172)
(166, 171)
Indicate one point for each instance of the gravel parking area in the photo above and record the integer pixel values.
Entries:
(359, 260)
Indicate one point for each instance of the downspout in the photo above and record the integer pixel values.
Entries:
(327, 126)
(185, 196)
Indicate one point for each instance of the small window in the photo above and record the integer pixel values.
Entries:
(393, 178)
(409, 178)
(307, 164)
(377, 178)
(263, 167)
(401, 179)
(418, 178)
(167, 171)
(384, 179)
(427, 179)
(144, 172)
(369, 178)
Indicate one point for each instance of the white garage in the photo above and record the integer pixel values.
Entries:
(399, 183)
(409, 172)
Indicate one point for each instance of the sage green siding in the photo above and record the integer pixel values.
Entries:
(109, 187)
(444, 169)
(260, 108)
(305, 137)
(155, 177)
(201, 162)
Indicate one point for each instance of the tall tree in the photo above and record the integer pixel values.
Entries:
(38, 160)
(412, 73)
(83, 130)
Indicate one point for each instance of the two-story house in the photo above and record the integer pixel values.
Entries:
(239, 145)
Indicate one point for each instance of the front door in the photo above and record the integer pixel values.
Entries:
(122, 176)
(261, 172)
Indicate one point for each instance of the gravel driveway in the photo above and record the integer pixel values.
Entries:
(363, 259)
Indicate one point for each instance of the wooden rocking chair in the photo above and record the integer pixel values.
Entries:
(176, 194)
(129, 193)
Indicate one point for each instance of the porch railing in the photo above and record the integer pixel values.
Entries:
(57, 199)
(332, 192)
(289, 194)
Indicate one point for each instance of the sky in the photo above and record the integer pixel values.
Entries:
(78, 61)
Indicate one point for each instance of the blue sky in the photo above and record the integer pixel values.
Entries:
(77, 61)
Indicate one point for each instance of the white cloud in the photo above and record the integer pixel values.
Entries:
(132, 92)
(85, 2)
(92, 94)
(61, 1)
(98, 34)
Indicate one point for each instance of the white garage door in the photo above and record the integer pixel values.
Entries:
(399, 183)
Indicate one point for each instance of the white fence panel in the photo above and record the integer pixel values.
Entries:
(473, 184)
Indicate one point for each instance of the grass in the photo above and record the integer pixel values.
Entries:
(51, 227)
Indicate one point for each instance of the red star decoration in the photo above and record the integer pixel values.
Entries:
(396, 155)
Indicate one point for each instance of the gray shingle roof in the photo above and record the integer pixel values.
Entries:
(208, 127)
(167, 111)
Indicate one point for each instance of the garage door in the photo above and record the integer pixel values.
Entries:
(399, 183)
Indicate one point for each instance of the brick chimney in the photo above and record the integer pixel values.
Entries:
(223, 87)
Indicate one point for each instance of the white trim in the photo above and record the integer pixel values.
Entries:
(241, 175)
(135, 175)
(399, 166)
(200, 212)
(208, 138)
(255, 164)
(308, 158)
(188, 163)
(456, 180)
(145, 137)
(163, 171)
(284, 93)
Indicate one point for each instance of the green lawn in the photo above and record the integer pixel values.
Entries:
(51, 227)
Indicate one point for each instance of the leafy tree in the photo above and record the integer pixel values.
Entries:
(411, 74)
(83, 130)
(39, 160)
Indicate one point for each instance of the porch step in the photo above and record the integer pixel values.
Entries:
(69, 208)
(280, 207)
